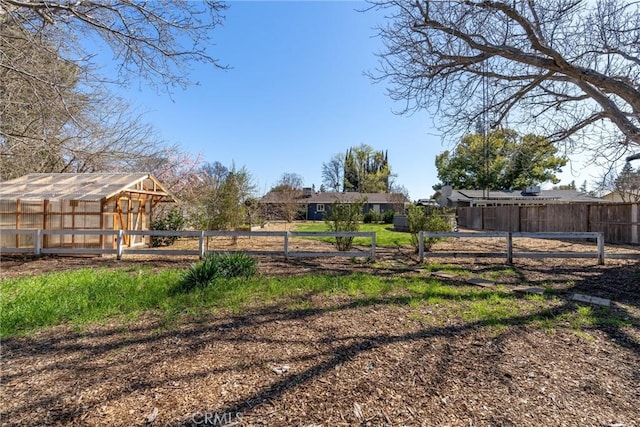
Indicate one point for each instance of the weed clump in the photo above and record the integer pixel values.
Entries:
(215, 266)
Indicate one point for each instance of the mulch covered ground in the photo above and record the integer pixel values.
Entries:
(322, 360)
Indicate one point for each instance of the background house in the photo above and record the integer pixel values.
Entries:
(626, 197)
(449, 197)
(74, 201)
(313, 206)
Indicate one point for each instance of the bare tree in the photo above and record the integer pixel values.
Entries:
(180, 171)
(153, 40)
(567, 69)
(626, 184)
(287, 192)
(57, 113)
(35, 105)
(333, 172)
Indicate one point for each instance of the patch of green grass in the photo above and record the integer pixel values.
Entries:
(582, 317)
(447, 268)
(80, 297)
(385, 235)
(493, 309)
(87, 296)
(587, 317)
(498, 273)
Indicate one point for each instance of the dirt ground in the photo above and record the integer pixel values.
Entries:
(319, 360)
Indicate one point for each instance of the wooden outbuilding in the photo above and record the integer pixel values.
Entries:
(79, 201)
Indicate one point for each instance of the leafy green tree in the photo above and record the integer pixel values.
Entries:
(224, 197)
(507, 161)
(344, 217)
(426, 218)
(366, 170)
(172, 220)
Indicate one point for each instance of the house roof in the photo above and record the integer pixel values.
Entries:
(347, 197)
(81, 186)
(566, 196)
(629, 196)
(350, 197)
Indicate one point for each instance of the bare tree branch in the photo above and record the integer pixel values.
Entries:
(561, 69)
(57, 113)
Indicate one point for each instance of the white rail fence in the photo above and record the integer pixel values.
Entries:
(120, 249)
(509, 252)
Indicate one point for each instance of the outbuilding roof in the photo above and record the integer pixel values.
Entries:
(81, 186)
(565, 196)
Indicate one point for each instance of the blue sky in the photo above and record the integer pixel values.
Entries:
(294, 96)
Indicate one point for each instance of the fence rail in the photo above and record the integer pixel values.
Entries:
(120, 248)
(509, 252)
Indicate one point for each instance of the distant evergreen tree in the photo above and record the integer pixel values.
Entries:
(583, 187)
(627, 184)
(366, 170)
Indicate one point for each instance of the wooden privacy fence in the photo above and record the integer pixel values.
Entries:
(35, 237)
(619, 222)
(509, 253)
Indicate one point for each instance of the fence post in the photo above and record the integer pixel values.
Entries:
(421, 246)
(373, 245)
(38, 243)
(286, 244)
(509, 247)
(201, 244)
(634, 223)
(119, 248)
(600, 243)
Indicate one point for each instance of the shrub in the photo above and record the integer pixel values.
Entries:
(218, 266)
(344, 217)
(387, 217)
(426, 219)
(370, 217)
(169, 221)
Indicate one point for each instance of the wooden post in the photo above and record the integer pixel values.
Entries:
(130, 225)
(119, 248)
(201, 244)
(286, 244)
(373, 246)
(421, 246)
(103, 207)
(509, 247)
(73, 204)
(18, 208)
(634, 224)
(600, 242)
(38, 243)
(45, 222)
